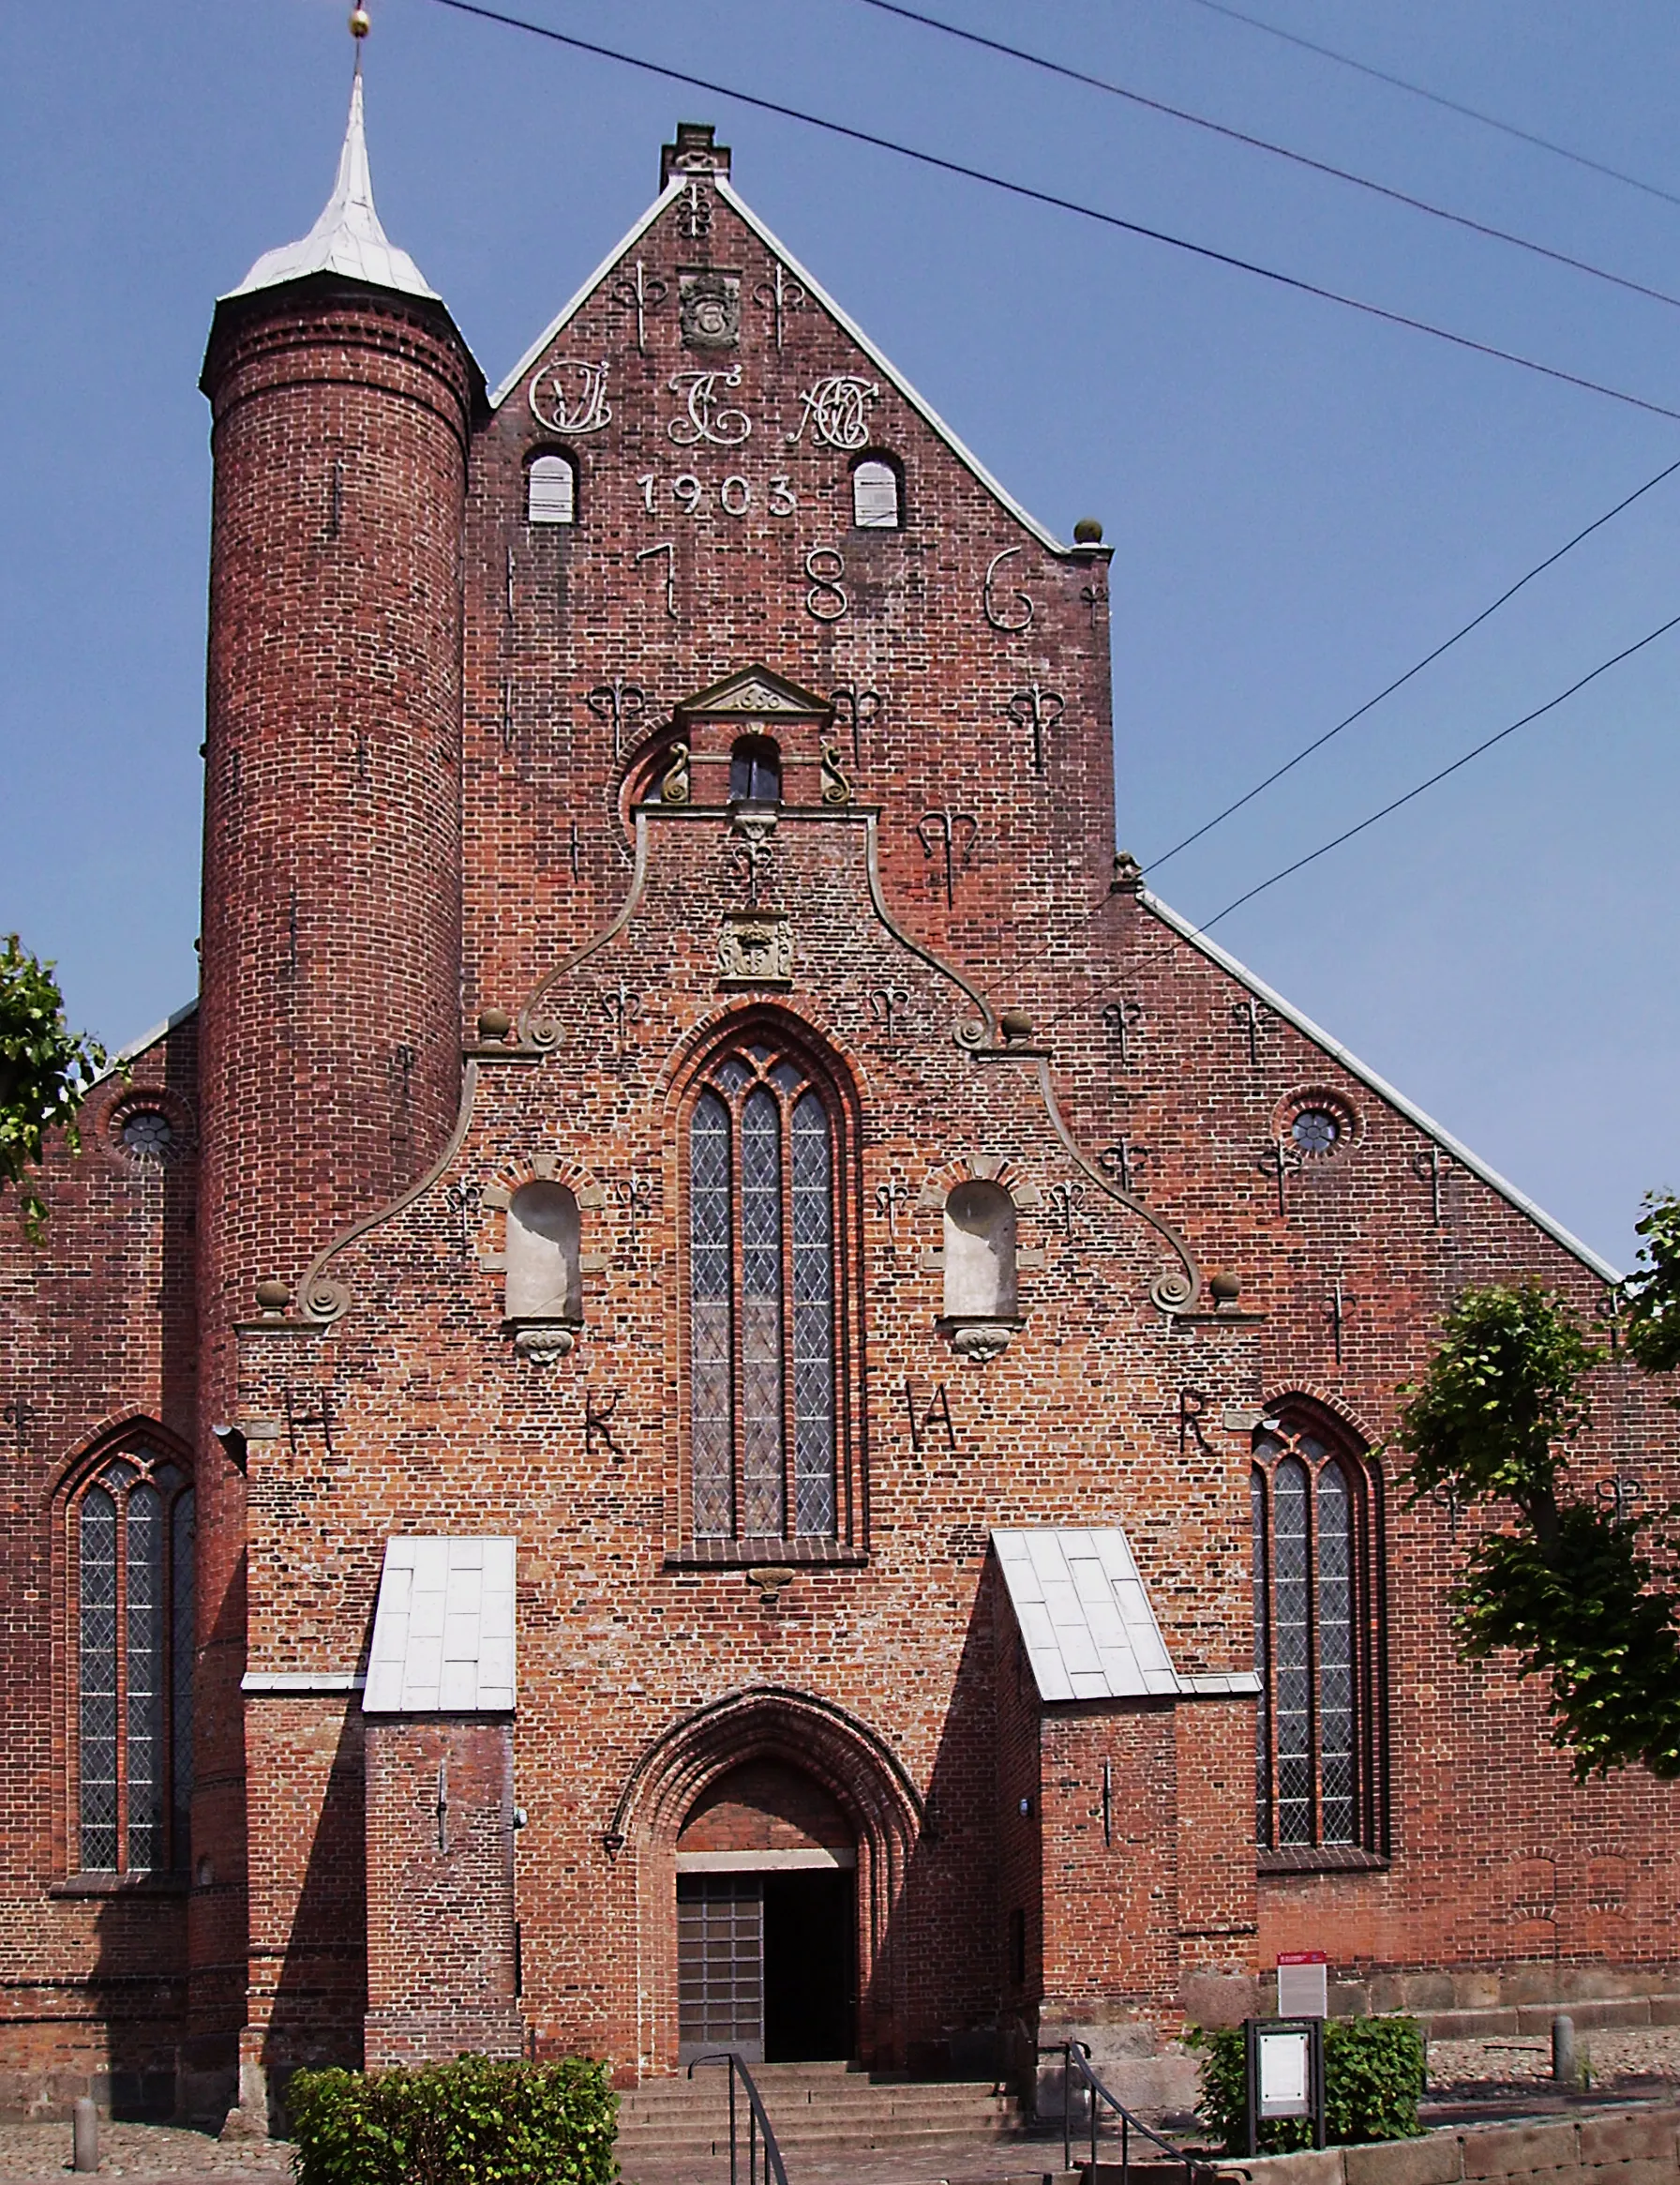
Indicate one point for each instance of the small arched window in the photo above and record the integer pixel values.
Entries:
(544, 1235)
(131, 1527)
(755, 770)
(762, 1284)
(551, 490)
(1317, 1594)
(875, 500)
(979, 1253)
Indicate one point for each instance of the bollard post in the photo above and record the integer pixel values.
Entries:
(1564, 2068)
(84, 2136)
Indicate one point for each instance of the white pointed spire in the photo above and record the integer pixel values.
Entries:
(347, 239)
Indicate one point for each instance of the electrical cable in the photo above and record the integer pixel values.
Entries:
(1205, 250)
(1318, 743)
(1277, 151)
(1435, 99)
(1487, 745)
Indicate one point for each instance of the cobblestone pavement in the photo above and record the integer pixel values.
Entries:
(40, 2154)
(1612, 2054)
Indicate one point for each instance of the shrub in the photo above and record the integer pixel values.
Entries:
(472, 2122)
(1374, 2075)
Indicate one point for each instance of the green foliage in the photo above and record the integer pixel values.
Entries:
(1373, 2078)
(1651, 1293)
(472, 2122)
(1569, 1586)
(1501, 1394)
(1580, 1605)
(45, 1069)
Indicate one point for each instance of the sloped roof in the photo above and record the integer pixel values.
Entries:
(1380, 1086)
(443, 1629)
(1087, 1622)
(348, 238)
(818, 295)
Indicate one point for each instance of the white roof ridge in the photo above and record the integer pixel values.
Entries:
(348, 238)
(818, 294)
(964, 454)
(674, 187)
(1381, 1086)
(116, 1060)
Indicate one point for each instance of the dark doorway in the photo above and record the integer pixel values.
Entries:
(809, 1954)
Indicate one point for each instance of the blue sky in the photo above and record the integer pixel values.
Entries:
(1301, 501)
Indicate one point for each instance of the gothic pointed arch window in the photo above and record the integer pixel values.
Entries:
(766, 1155)
(131, 1534)
(1317, 1639)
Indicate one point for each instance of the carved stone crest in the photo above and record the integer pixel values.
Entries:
(755, 948)
(708, 305)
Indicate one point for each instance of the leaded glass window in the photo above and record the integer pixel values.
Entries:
(133, 1534)
(761, 1293)
(1314, 1605)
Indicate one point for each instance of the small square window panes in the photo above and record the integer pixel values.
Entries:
(552, 491)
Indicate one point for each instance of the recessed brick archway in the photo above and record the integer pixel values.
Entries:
(859, 1772)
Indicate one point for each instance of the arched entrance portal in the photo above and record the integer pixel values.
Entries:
(766, 1919)
(833, 1785)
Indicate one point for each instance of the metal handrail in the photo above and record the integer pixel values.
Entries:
(757, 2120)
(1078, 2053)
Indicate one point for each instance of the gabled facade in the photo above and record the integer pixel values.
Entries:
(725, 1389)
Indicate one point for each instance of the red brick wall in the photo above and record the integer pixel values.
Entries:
(332, 867)
(98, 1340)
(366, 641)
(308, 1883)
(441, 1943)
(766, 1807)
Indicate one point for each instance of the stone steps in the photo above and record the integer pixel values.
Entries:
(814, 2109)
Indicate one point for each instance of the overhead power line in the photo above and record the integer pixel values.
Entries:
(1487, 745)
(1204, 251)
(1318, 743)
(1274, 151)
(1434, 97)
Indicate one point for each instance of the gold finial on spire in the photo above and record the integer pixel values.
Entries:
(360, 23)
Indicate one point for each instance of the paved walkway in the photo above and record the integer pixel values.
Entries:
(40, 2154)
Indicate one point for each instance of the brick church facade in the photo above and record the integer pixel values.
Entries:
(723, 1389)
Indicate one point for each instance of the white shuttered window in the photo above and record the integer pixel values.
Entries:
(552, 493)
(874, 496)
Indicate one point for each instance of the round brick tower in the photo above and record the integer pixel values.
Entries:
(342, 396)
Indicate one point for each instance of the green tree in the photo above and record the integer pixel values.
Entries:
(1583, 1593)
(46, 1071)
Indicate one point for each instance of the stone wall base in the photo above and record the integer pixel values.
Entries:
(1637, 2146)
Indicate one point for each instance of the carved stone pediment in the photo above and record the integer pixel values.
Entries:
(756, 692)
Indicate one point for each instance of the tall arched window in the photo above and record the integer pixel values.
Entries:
(132, 1530)
(1315, 1605)
(762, 1224)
